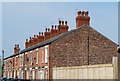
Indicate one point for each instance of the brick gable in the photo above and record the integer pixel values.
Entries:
(76, 49)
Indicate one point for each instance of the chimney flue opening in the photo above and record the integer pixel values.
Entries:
(86, 13)
(39, 33)
(55, 26)
(79, 12)
(59, 22)
(42, 33)
(46, 29)
(15, 45)
(62, 22)
(83, 13)
(65, 22)
(52, 26)
(30, 38)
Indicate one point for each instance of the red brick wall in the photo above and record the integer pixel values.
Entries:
(74, 48)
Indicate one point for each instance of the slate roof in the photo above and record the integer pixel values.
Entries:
(49, 41)
(42, 43)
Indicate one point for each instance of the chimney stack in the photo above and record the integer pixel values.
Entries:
(63, 28)
(40, 37)
(16, 48)
(30, 41)
(54, 31)
(35, 39)
(26, 43)
(82, 18)
(47, 34)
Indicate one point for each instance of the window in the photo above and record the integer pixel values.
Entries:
(39, 74)
(22, 59)
(36, 56)
(43, 55)
(31, 75)
(30, 57)
(25, 58)
(27, 74)
(42, 74)
(46, 54)
(16, 60)
(46, 74)
(22, 74)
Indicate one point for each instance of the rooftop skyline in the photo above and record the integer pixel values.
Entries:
(22, 20)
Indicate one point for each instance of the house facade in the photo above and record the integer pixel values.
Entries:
(58, 47)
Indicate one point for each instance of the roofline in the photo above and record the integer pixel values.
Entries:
(49, 41)
(11, 56)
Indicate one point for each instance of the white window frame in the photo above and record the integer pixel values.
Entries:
(42, 60)
(25, 58)
(14, 73)
(16, 60)
(22, 59)
(30, 57)
(43, 73)
(27, 74)
(46, 73)
(37, 56)
(33, 74)
(46, 53)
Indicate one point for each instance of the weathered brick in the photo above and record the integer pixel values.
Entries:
(75, 49)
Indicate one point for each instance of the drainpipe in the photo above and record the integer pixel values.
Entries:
(88, 43)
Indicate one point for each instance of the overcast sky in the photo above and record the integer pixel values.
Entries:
(22, 20)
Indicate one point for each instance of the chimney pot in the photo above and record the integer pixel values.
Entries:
(83, 13)
(55, 26)
(30, 38)
(65, 22)
(39, 33)
(62, 22)
(46, 29)
(17, 45)
(86, 13)
(79, 12)
(52, 26)
(42, 33)
(16, 48)
(59, 22)
(37, 36)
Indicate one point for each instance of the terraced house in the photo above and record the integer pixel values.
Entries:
(56, 48)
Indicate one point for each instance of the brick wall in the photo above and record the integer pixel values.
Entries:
(76, 49)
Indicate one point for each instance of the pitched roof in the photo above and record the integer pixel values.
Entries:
(42, 43)
(45, 42)
(49, 41)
